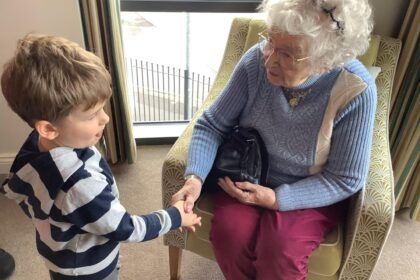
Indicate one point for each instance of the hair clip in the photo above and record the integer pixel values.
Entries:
(340, 24)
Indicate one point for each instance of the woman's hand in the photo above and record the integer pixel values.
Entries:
(249, 193)
(189, 193)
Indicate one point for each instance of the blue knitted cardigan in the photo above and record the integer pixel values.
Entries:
(318, 151)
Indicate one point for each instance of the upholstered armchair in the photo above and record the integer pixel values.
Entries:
(353, 248)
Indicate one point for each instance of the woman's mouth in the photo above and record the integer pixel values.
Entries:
(273, 74)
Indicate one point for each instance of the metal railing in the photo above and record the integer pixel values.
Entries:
(162, 93)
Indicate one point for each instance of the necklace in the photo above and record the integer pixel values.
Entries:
(296, 96)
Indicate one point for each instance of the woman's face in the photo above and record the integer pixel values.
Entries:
(286, 59)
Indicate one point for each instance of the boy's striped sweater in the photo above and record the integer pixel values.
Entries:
(72, 198)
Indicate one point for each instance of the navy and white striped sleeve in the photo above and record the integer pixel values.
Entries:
(91, 205)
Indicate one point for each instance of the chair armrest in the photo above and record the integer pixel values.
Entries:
(173, 179)
(174, 164)
(371, 211)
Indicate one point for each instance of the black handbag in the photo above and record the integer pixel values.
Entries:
(242, 156)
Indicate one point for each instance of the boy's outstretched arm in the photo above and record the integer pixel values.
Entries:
(94, 208)
(189, 220)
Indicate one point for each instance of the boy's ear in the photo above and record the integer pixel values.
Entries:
(46, 129)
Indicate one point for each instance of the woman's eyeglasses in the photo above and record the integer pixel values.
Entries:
(284, 58)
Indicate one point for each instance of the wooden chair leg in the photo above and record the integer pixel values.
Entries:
(175, 257)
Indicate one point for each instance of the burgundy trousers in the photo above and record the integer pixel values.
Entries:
(251, 242)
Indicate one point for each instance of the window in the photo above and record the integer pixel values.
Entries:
(173, 51)
(218, 6)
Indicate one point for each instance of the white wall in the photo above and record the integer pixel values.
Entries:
(61, 17)
(389, 16)
(17, 18)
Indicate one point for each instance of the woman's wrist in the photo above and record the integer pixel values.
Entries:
(273, 205)
(193, 176)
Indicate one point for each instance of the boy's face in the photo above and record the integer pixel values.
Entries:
(81, 129)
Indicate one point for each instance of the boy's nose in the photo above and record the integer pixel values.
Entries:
(104, 118)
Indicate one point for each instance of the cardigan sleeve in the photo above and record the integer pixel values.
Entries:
(221, 116)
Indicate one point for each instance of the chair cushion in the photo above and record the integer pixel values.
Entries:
(369, 57)
(374, 71)
(325, 261)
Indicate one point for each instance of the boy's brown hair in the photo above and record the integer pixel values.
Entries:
(50, 76)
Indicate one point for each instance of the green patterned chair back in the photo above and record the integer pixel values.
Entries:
(371, 211)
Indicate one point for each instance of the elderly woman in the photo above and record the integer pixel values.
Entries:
(313, 104)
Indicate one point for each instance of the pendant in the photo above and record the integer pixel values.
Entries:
(294, 101)
(296, 96)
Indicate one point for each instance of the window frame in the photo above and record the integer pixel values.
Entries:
(207, 6)
(193, 6)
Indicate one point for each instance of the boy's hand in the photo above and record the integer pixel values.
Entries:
(189, 220)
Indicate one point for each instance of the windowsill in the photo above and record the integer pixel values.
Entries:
(221, 6)
(158, 133)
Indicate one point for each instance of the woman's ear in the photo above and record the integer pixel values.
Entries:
(46, 130)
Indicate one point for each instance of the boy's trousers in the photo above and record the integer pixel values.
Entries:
(112, 276)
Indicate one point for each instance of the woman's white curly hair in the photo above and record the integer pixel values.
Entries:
(337, 30)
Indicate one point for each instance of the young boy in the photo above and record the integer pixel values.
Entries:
(58, 177)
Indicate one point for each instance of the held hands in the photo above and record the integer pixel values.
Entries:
(249, 193)
(189, 220)
(189, 192)
(186, 197)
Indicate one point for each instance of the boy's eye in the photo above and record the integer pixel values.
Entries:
(91, 117)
